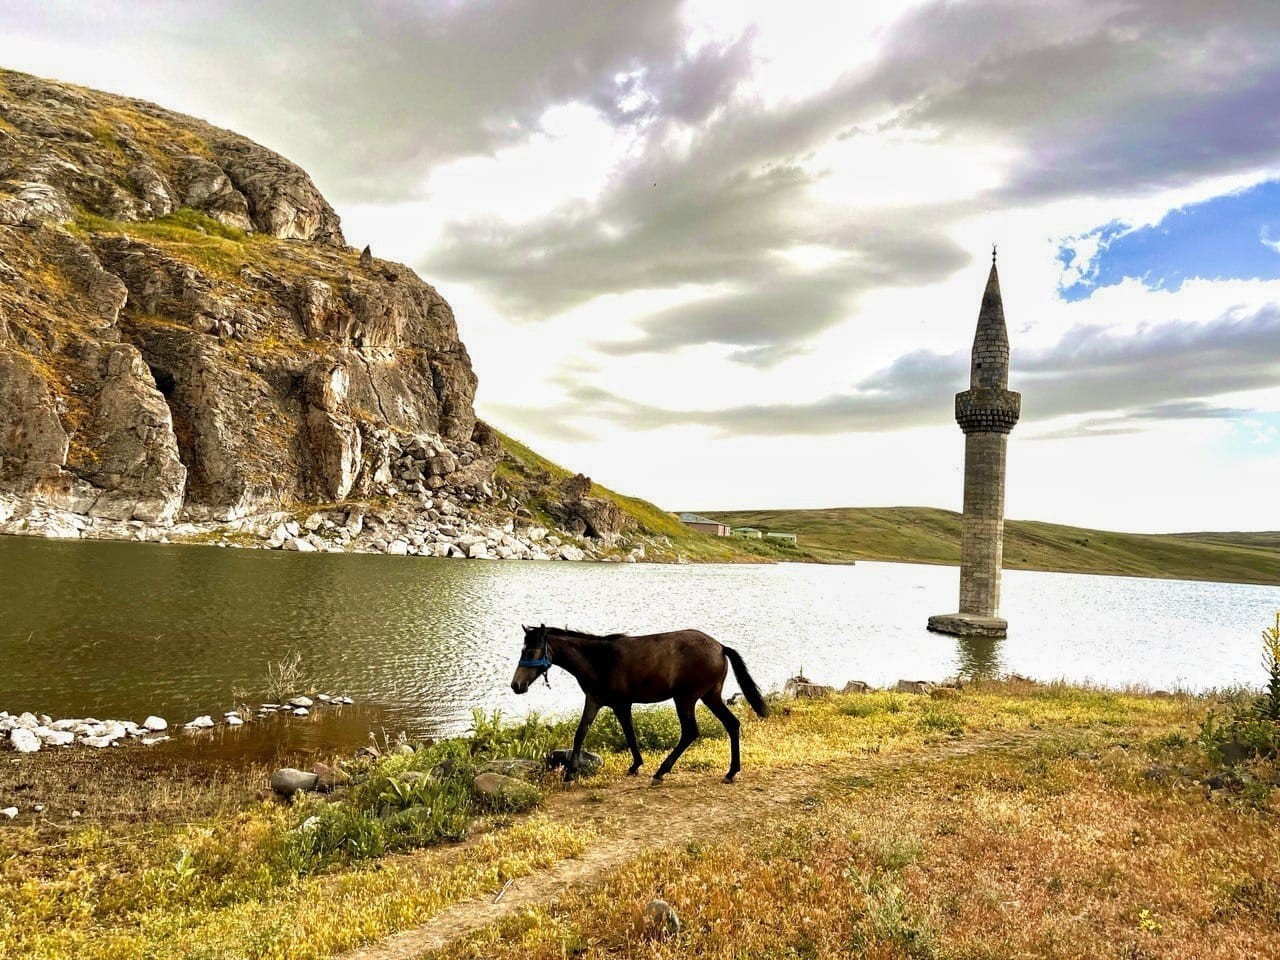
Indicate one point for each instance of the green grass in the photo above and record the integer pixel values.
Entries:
(928, 535)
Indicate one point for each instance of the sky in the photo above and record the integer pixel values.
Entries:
(730, 255)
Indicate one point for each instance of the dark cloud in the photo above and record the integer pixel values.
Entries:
(1162, 372)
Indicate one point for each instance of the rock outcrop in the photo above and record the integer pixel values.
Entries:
(184, 332)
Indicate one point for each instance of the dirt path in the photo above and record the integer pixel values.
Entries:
(633, 817)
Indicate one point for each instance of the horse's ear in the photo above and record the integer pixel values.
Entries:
(524, 628)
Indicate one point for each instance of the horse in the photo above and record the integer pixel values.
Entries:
(617, 670)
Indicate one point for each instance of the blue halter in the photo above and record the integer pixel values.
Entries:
(543, 661)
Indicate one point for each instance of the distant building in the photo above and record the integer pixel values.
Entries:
(706, 525)
(748, 533)
(784, 537)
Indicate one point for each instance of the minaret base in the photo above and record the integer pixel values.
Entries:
(969, 625)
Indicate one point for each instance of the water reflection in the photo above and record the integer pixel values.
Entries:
(979, 657)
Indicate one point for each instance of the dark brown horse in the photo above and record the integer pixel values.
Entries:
(617, 671)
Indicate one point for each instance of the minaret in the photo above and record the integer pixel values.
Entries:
(986, 412)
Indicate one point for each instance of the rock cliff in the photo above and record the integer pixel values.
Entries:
(184, 332)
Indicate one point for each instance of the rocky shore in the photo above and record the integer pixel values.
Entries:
(475, 521)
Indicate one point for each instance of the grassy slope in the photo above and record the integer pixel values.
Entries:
(522, 465)
(928, 535)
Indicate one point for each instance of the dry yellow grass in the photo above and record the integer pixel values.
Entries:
(909, 827)
(1070, 853)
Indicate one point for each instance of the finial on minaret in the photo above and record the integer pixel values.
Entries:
(993, 254)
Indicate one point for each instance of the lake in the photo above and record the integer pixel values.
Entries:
(122, 630)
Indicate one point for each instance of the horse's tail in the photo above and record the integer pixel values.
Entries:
(749, 688)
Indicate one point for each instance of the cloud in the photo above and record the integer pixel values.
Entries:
(1161, 372)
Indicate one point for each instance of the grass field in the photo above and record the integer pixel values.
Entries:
(928, 535)
(1007, 819)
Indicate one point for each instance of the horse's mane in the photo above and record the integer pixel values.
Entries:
(582, 635)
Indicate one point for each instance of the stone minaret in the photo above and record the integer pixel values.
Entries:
(986, 412)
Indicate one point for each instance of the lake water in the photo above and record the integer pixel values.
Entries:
(123, 630)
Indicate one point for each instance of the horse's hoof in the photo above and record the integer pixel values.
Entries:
(570, 777)
(728, 778)
(657, 778)
(633, 771)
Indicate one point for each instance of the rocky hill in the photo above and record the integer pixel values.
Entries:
(185, 333)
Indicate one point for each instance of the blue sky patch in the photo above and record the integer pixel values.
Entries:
(1232, 237)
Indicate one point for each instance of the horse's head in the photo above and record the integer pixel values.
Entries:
(535, 658)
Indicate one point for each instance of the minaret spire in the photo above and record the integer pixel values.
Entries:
(986, 412)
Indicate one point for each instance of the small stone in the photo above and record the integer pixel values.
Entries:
(9, 812)
(155, 724)
(328, 777)
(200, 723)
(289, 780)
(98, 742)
(301, 702)
(301, 712)
(152, 741)
(234, 721)
(300, 545)
(589, 763)
(662, 919)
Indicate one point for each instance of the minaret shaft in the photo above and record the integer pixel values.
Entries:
(986, 412)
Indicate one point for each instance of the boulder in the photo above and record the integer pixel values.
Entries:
(857, 686)
(913, 686)
(289, 780)
(300, 545)
(24, 740)
(528, 770)
(498, 792)
(200, 723)
(569, 552)
(800, 688)
(155, 724)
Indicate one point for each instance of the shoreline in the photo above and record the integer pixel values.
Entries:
(442, 526)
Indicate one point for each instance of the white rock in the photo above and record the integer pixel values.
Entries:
(152, 741)
(313, 522)
(300, 702)
(9, 812)
(98, 742)
(300, 711)
(29, 721)
(155, 724)
(398, 548)
(234, 721)
(299, 545)
(59, 738)
(24, 740)
(201, 723)
(346, 700)
(478, 551)
(570, 552)
(292, 528)
(65, 724)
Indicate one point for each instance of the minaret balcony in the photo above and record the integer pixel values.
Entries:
(988, 410)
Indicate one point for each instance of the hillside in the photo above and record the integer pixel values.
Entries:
(928, 535)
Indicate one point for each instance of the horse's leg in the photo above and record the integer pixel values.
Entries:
(688, 734)
(731, 725)
(623, 713)
(589, 711)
